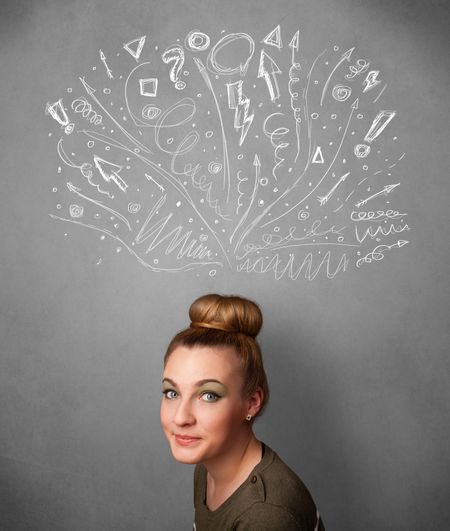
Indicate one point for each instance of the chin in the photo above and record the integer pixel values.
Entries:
(185, 456)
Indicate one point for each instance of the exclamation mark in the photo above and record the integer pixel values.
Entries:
(377, 127)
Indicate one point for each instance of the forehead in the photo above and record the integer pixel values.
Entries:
(197, 363)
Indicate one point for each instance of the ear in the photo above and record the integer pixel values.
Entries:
(254, 402)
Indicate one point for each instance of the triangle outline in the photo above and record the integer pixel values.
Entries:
(318, 156)
(274, 38)
(139, 42)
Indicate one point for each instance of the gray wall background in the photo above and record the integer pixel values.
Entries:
(358, 365)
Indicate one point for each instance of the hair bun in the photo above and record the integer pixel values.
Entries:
(230, 313)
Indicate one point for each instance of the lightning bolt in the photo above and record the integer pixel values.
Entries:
(241, 104)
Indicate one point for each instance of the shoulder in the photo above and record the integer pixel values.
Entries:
(285, 496)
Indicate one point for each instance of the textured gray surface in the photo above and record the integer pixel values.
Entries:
(358, 364)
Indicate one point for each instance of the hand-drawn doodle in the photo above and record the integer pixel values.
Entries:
(197, 41)
(149, 86)
(57, 111)
(268, 177)
(134, 47)
(105, 64)
(175, 54)
(238, 101)
(274, 38)
(269, 70)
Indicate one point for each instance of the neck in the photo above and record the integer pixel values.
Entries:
(234, 467)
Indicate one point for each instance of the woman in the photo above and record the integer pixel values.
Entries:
(214, 386)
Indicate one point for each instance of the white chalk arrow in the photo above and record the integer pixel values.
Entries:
(295, 44)
(324, 199)
(110, 172)
(386, 190)
(268, 69)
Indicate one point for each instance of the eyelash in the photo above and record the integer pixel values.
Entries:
(166, 392)
(215, 396)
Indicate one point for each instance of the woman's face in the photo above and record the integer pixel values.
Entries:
(203, 411)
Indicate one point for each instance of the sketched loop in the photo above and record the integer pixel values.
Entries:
(86, 170)
(197, 41)
(302, 215)
(76, 211)
(361, 150)
(214, 167)
(341, 92)
(133, 208)
(69, 128)
(81, 105)
(150, 112)
(241, 68)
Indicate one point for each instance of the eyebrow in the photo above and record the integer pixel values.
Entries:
(200, 383)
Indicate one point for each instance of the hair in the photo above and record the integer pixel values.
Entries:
(228, 321)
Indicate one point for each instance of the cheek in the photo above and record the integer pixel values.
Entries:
(164, 414)
(222, 421)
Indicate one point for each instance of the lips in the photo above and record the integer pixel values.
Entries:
(186, 440)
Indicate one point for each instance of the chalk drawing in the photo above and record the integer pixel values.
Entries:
(206, 156)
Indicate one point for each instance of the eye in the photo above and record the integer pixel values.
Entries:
(208, 396)
(170, 394)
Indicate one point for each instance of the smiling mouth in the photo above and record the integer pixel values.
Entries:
(185, 440)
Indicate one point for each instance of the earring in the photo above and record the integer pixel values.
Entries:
(248, 417)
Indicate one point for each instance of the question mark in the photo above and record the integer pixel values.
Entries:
(176, 54)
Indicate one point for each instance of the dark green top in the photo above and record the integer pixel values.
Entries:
(272, 498)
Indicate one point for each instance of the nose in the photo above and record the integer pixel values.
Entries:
(184, 415)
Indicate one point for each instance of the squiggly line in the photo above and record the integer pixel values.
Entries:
(274, 242)
(379, 231)
(257, 165)
(275, 137)
(378, 252)
(279, 269)
(82, 106)
(293, 80)
(240, 180)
